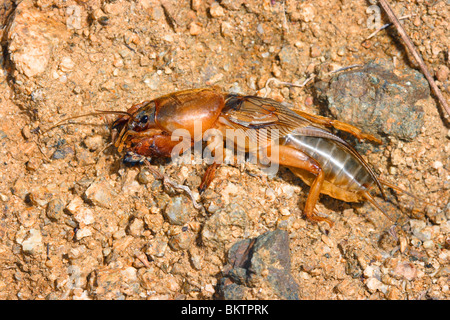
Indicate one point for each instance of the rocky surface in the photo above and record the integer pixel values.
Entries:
(378, 98)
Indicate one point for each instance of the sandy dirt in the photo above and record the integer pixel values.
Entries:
(75, 223)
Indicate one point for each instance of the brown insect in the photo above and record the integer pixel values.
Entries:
(325, 162)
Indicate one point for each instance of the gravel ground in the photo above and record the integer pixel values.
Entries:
(77, 224)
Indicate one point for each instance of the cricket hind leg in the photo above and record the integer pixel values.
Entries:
(327, 122)
(208, 177)
(217, 155)
(290, 157)
(314, 194)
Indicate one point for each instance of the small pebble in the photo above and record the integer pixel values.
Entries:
(100, 193)
(77, 252)
(437, 165)
(136, 227)
(118, 63)
(341, 51)
(197, 261)
(21, 188)
(315, 51)
(145, 177)
(260, 28)
(417, 22)
(406, 270)
(81, 214)
(66, 64)
(181, 241)
(232, 4)
(62, 153)
(55, 209)
(119, 234)
(309, 101)
(288, 57)
(394, 294)
(372, 272)
(307, 12)
(156, 247)
(94, 142)
(152, 81)
(39, 196)
(83, 233)
(284, 211)
(373, 284)
(210, 289)
(429, 244)
(226, 29)
(31, 241)
(178, 211)
(107, 85)
(26, 132)
(442, 73)
(216, 10)
(129, 274)
(195, 29)
(33, 164)
(196, 4)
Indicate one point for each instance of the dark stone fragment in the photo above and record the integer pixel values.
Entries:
(266, 259)
(230, 290)
(61, 153)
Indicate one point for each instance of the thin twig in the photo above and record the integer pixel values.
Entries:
(346, 68)
(278, 82)
(289, 84)
(409, 44)
(388, 25)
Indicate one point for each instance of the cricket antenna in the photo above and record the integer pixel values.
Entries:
(96, 113)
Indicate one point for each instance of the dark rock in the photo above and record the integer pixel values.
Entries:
(62, 153)
(231, 290)
(265, 259)
(377, 99)
(271, 252)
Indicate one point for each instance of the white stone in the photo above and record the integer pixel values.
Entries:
(83, 233)
(31, 242)
(66, 64)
